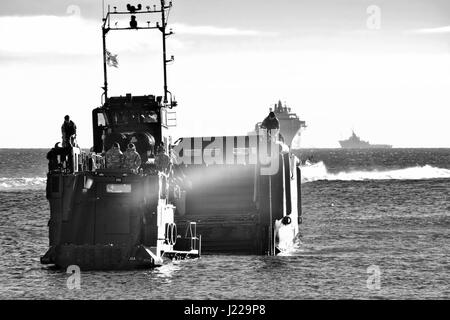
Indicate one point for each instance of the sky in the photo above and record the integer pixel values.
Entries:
(379, 67)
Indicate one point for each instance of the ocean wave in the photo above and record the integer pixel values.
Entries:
(314, 172)
(13, 184)
(318, 171)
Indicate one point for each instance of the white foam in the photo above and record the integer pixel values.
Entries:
(313, 172)
(12, 184)
(318, 171)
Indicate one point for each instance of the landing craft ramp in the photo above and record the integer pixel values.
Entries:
(233, 200)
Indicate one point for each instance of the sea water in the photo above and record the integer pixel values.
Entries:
(375, 226)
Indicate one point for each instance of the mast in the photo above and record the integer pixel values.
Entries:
(161, 27)
(163, 30)
(105, 71)
(105, 29)
(105, 76)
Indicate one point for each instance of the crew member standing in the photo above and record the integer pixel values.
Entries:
(162, 160)
(271, 122)
(163, 164)
(272, 125)
(132, 159)
(69, 132)
(114, 157)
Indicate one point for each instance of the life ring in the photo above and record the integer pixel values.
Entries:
(167, 235)
(173, 234)
(286, 220)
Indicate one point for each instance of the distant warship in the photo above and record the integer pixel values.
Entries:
(354, 142)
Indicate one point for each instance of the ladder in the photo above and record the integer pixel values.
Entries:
(171, 118)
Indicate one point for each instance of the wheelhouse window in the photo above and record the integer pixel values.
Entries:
(121, 117)
(101, 120)
(149, 117)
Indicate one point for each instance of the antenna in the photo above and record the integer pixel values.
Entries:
(162, 28)
(133, 12)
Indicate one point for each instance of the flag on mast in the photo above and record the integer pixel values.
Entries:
(111, 59)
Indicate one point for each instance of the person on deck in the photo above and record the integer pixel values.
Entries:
(132, 159)
(162, 160)
(114, 157)
(69, 132)
(271, 122)
(272, 125)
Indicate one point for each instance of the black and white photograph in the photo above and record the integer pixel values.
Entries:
(194, 151)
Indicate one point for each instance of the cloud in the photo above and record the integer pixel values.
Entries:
(34, 35)
(25, 36)
(439, 30)
(217, 31)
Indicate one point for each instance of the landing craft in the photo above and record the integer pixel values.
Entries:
(200, 202)
(103, 218)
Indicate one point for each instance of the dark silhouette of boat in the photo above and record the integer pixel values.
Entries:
(105, 217)
(238, 194)
(355, 142)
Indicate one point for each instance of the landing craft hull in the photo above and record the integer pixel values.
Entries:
(112, 221)
(100, 257)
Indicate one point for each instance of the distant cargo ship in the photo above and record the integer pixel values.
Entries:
(354, 142)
